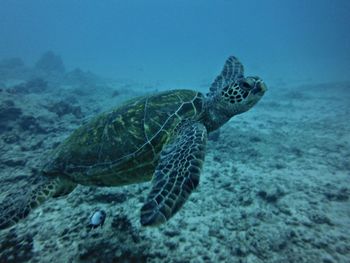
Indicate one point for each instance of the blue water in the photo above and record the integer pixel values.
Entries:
(183, 42)
(275, 182)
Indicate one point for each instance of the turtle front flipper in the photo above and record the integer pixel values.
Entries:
(176, 175)
(233, 70)
(17, 205)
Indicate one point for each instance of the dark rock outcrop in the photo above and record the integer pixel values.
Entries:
(30, 123)
(16, 249)
(50, 62)
(8, 113)
(37, 85)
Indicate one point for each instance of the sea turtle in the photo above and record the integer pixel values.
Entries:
(160, 137)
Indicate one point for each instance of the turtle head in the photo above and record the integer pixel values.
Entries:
(242, 94)
(231, 93)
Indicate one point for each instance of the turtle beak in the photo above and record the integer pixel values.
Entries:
(259, 87)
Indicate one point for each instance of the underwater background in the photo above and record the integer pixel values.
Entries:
(275, 185)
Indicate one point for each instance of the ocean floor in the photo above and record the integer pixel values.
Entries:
(275, 185)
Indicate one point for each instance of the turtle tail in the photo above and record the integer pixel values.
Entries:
(17, 205)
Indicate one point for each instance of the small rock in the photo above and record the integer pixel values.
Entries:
(14, 162)
(115, 93)
(255, 139)
(37, 145)
(172, 232)
(105, 197)
(327, 260)
(14, 248)
(63, 108)
(65, 232)
(319, 218)
(95, 234)
(340, 195)
(280, 166)
(122, 223)
(240, 251)
(271, 195)
(11, 138)
(9, 113)
(245, 200)
(171, 244)
(8, 103)
(30, 123)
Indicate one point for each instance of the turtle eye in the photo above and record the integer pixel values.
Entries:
(245, 86)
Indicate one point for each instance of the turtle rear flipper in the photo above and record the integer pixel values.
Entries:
(176, 176)
(17, 205)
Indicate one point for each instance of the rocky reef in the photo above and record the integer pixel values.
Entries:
(275, 185)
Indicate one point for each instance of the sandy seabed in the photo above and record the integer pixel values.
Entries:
(275, 185)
